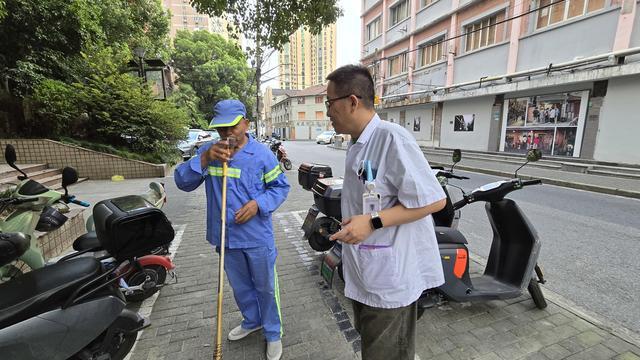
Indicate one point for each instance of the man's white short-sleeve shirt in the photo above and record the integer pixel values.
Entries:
(392, 267)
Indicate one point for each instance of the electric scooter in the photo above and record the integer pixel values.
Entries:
(512, 262)
(281, 154)
(69, 310)
(31, 206)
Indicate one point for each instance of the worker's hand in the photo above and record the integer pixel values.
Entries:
(219, 151)
(354, 230)
(246, 212)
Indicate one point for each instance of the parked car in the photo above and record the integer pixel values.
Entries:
(325, 137)
(196, 138)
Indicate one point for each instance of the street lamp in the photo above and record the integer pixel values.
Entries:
(139, 52)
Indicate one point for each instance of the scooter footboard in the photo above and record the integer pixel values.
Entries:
(58, 334)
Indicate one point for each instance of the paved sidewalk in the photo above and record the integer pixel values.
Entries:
(317, 321)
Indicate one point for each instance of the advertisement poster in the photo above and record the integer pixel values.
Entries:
(546, 122)
(416, 123)
(464, 122)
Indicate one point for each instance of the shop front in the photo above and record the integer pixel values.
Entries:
(553, 123)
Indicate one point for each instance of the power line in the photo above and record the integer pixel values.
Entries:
(469, 32)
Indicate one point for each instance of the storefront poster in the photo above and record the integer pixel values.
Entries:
(565, 141)
(416, 123)
(547, 122)
(464, 122)
(517, 112)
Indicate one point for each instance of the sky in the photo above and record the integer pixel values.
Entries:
(348, 41)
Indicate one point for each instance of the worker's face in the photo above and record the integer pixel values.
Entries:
(238, 132)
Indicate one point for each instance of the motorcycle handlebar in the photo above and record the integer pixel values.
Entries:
(81, 203)
(14, 201)
(531, 182)
(459, 177)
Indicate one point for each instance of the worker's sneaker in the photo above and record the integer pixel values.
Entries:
(240, 333)
(274, 350)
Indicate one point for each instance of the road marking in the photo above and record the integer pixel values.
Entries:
(147, 305)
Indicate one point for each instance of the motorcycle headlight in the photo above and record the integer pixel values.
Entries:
(50, 219)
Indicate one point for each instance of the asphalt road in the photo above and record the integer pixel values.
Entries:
(590, 241)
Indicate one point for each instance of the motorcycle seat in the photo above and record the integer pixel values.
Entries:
(447, 235)
(87, 241)
(44, 289)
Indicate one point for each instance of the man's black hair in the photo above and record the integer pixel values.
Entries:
(356, 80)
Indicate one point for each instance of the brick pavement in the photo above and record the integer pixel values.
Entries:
(317, 321)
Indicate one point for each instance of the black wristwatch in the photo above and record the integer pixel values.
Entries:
(376, 222)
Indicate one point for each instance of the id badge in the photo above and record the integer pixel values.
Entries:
(371, 202)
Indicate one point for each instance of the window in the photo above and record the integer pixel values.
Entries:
(481, 33)
(397, 64)
(424, 3)
(319, 115)
(374, 29)
(399, 12)
(301, 115)
(319, 99)
(431, 52)
(565, 10)
(301, 99)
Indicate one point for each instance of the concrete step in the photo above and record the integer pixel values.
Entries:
(552, 163)
(8, 173)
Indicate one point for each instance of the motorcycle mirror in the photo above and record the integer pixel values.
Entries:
(534, 155)
(10, 157)
(457, 156)
(69, 176)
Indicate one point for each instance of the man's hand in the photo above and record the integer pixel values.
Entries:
(219, 151)
(354, 230)
(247, 211)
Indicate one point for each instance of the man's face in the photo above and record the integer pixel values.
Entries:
(339, 111)
(238, 132)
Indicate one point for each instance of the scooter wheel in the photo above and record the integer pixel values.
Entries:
(536, 294)
(287, 164)
(118, 347)
(157, 273)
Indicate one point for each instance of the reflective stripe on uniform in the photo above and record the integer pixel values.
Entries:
(273, 174)
(231, 172)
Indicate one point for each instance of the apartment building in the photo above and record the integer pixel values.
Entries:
(496, 75)
(301, 115)
(186, 17)
(307, 58)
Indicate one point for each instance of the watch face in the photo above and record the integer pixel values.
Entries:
(376, 222)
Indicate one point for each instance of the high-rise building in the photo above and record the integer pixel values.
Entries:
(307, 59)
(185, 17)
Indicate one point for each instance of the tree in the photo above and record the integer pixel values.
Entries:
(215, 68)
(186, 98)
(268, 23)
(45, 38)
(108, 107)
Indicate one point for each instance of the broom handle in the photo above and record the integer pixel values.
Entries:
(218, 349)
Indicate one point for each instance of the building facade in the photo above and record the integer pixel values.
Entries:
(495, 75)
(300, 115)
(307, 59)
(185, 17)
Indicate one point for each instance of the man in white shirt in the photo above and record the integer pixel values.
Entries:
(390, 252)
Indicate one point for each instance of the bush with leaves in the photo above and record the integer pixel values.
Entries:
(110, 107)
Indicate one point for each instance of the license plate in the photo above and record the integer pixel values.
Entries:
(308, 221)
(330, 262)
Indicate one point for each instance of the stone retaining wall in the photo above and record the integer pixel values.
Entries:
(90, 164)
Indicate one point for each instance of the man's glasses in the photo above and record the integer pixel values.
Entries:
(328, 102)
